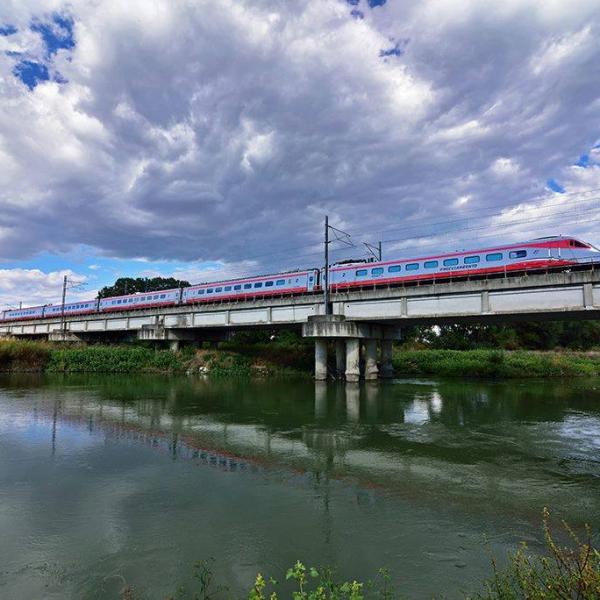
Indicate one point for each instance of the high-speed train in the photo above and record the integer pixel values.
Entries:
(556, 252)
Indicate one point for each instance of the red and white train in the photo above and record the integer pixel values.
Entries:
(541, 254)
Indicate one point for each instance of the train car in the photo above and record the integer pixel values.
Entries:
(22, 314)
(543, 253)
(140, 300)
(295, 282)
(85, 307)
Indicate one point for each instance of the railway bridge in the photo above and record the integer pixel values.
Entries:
(368, 317)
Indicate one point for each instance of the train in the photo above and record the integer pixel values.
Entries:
(556, 252)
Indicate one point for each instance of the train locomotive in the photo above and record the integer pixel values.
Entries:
(549, 253)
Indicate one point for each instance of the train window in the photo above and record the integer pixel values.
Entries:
(412, 266)
(118, 302)
(377, 271)
(518, 254)
(156, 297)
(258, 284)
(493, 257)
(247, 286)
(450, 262)
(361, 273)
(161, 296)
(269, 283)
(237, 287)
(431, 264)
(209, 291)
(280, 282)
(471, 260)
(200, 292)
(394, 268)
(217, 290)
(227, 288)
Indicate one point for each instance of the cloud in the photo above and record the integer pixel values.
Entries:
(34, 287)
(505, 167)
(223, 131)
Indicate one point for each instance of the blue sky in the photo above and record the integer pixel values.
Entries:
(392, 118)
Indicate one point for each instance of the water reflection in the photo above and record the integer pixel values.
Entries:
(399, 469)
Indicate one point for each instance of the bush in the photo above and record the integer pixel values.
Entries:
(567, 572)
(495, 363)
(23, 355)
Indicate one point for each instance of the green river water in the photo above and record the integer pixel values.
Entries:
(107, 480)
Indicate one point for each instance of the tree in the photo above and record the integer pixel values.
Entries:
(130, 285)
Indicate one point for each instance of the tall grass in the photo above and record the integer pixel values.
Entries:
(23, 355)
(495, 363)
(113, 359)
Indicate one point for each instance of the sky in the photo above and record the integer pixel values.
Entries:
(207, 140)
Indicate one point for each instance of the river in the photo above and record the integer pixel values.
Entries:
(114, 480)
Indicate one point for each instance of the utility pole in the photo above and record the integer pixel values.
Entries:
(326, 269)
(20, 305)
(379, 251)
(62, 311)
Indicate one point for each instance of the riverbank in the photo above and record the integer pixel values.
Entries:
(242, 361)
(496, 363)
(280, 359)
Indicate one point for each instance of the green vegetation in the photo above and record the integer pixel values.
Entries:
(112, 359)
(131, 285)
(529, 335)
(495, 363)
(283, 357)
(566, 572)
(229, 360)
(570, 571)
(23, 355)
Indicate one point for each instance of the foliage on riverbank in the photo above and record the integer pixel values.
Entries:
(495, 363)
(228, 361)
(566, 571)
(280, 358)
(23, 355)
(113, 359)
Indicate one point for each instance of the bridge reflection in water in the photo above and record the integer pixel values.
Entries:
(409, 474)
(446, 441)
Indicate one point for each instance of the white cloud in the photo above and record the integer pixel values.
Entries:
(557, 52)
(505, 167)
(34, 287)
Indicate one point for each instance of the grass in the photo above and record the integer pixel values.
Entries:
(568, 571)
(495, 363)
(23, 355)
(281, 359)
(229, 361)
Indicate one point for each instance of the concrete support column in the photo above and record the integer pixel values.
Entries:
(371, 370)
(352, 360)
(320, 359)
(340, 358)
(174, 345)
(387, 367)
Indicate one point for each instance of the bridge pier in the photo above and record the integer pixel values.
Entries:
(371, 369)
(387, 366)
(320, 359)
(348, 336)
(352, 360)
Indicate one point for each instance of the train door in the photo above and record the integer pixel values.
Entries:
(311, 281)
